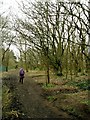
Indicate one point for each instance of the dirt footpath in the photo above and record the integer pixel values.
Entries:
(33, 104)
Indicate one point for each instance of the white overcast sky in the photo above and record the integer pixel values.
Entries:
(14, 6)
(8, 5)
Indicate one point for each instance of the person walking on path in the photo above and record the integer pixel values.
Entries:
(21, 74)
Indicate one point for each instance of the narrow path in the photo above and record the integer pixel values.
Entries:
(34, 104)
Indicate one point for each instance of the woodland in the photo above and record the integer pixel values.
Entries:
(53, 42)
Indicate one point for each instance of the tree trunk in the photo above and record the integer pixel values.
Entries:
(48, 77)
(26, 56)
(88, 58)
(6, 68)
(47, 67)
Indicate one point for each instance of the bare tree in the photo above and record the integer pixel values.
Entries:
(58, 31)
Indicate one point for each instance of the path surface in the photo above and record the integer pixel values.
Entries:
(33, 104)
(30, 96)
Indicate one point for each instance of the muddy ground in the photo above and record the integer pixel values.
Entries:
(33, 99)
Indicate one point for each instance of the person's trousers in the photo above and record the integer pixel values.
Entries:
(21, 80)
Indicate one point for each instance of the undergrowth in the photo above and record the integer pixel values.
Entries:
(84, 84)
(11, 108)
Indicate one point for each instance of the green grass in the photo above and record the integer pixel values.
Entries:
(46, 86)
(6, 101)
(51, 98)
(87, 102)
(80, 84)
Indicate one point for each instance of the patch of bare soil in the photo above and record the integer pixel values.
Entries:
(67, 98)
(34, 104)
